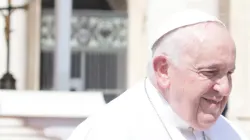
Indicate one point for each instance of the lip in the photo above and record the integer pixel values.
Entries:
(212, 101)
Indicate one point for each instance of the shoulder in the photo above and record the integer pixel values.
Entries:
(114, 119)
(230, 130)
(96, 129)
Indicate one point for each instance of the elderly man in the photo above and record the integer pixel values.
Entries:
(187, 87)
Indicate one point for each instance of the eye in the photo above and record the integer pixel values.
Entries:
(230, 72)
(209, 73)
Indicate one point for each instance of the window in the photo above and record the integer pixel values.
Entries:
(101, 71)
(98, 51)
(75, 65)
(47, 68)
(93, 70)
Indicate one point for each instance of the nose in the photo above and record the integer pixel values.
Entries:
(223, 85)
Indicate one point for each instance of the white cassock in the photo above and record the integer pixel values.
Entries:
(141, 113)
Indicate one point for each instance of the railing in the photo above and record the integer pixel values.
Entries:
(98, 42)
(90, 29)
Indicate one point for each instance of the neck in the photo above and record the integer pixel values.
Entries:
(163, 107)
(158, 88)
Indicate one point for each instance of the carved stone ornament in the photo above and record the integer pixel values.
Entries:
(107, 30)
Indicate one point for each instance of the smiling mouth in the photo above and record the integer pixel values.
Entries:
(212, 101)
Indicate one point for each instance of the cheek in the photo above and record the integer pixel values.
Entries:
(195, 90)
(201, 86)
(187, 88)
(187, 93)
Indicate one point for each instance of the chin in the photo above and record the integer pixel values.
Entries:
(206, 121)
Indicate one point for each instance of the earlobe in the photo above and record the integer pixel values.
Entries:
(165, 83)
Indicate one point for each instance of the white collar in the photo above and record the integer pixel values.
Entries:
(168, 116)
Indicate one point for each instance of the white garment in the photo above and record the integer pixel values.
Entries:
(131, 116)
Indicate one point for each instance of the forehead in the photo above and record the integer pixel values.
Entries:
(214, 47)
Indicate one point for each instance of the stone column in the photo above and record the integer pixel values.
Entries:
(240, 30)
(18, 44)
(137, 54)
(224, 12)
(34, 50)
(63, 12)
(239, 101)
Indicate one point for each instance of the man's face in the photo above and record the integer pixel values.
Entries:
(200, 84)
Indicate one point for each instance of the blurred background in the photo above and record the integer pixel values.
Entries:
(62, 60)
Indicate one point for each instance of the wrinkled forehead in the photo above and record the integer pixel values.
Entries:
(213, 45)
(211, 36)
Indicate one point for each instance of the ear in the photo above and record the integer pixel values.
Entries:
(160, 64)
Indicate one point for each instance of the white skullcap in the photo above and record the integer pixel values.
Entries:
(178, 20)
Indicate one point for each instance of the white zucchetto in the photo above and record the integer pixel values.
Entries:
(177, 20)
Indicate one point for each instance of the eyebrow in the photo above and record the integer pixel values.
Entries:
(209, 66)
(213, 66)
